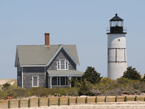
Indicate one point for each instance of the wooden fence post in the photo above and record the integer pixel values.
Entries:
(68, 100)
(96, 100)
(125, 98)
(135, 99)
(105, 98)
(19, 103)
(9, 104)
(76, 100)
(86, 100)
(48, 101)
(38, 102)
(58, 101)
(116, 99)
(29, 102)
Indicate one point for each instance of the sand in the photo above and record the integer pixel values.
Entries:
(108, 105)
(10, 81)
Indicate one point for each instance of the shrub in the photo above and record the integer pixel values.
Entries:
(85, 88)
(106, 84)
(123, 81)
(38, 91)
(14, 91)
(136, 85)
(2, 94)
(71, 91)
(106, 80)
(142, 86)
(41, 91)
(6, 85)
(143, 79)
(75, 82)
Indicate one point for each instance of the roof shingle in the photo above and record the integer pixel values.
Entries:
(40, 54)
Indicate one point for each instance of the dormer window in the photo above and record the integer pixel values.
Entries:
(62, 64)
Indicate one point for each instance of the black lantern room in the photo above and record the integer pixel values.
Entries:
(116, 25)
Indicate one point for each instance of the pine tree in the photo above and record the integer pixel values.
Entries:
(131, 73)
(92, 75)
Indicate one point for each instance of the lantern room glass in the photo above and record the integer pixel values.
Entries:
(116, 23)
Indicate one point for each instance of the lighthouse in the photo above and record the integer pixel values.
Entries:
(117, 56)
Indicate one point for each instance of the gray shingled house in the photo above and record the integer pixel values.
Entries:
(46, 65)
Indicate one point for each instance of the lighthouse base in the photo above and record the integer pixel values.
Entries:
(116, 70)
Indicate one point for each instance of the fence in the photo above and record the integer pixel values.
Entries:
(37, 102)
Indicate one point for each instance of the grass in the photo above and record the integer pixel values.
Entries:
(0, 87)
(64, 101)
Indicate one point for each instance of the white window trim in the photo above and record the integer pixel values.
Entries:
(64, 64)
(37, 81)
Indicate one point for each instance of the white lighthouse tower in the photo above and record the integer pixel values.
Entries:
(117, 58)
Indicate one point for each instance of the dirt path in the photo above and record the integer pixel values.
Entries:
(109, 105)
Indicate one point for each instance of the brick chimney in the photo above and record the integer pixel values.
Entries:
(47, 39)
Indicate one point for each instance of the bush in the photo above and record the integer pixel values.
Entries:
(106, 80)
(41, 91)
(75, 82)
(6, 85)
(143, 79)
(85, 87)
(2, 94)
(142, 87)
(37, 91)
(107, 84)
(123, 81)
(71, 91)
(14, 91)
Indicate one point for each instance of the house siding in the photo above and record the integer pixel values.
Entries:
(29, 72)
(19, 76)
(61, 55)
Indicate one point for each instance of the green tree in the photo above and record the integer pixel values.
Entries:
(92, 75)
(75, 82)
(6, 85)
(131, 73)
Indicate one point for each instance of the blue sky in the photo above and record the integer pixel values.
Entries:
(80, 22)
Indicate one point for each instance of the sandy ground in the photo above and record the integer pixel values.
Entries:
(11, 81)
(109, 105)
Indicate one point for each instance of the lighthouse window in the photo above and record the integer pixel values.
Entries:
(118, 39)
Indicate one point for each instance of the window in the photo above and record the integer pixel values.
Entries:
(62, 64)
(35, 81)
(54, 81)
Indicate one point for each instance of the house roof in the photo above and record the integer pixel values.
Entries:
(42, 55)
(64, 73)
